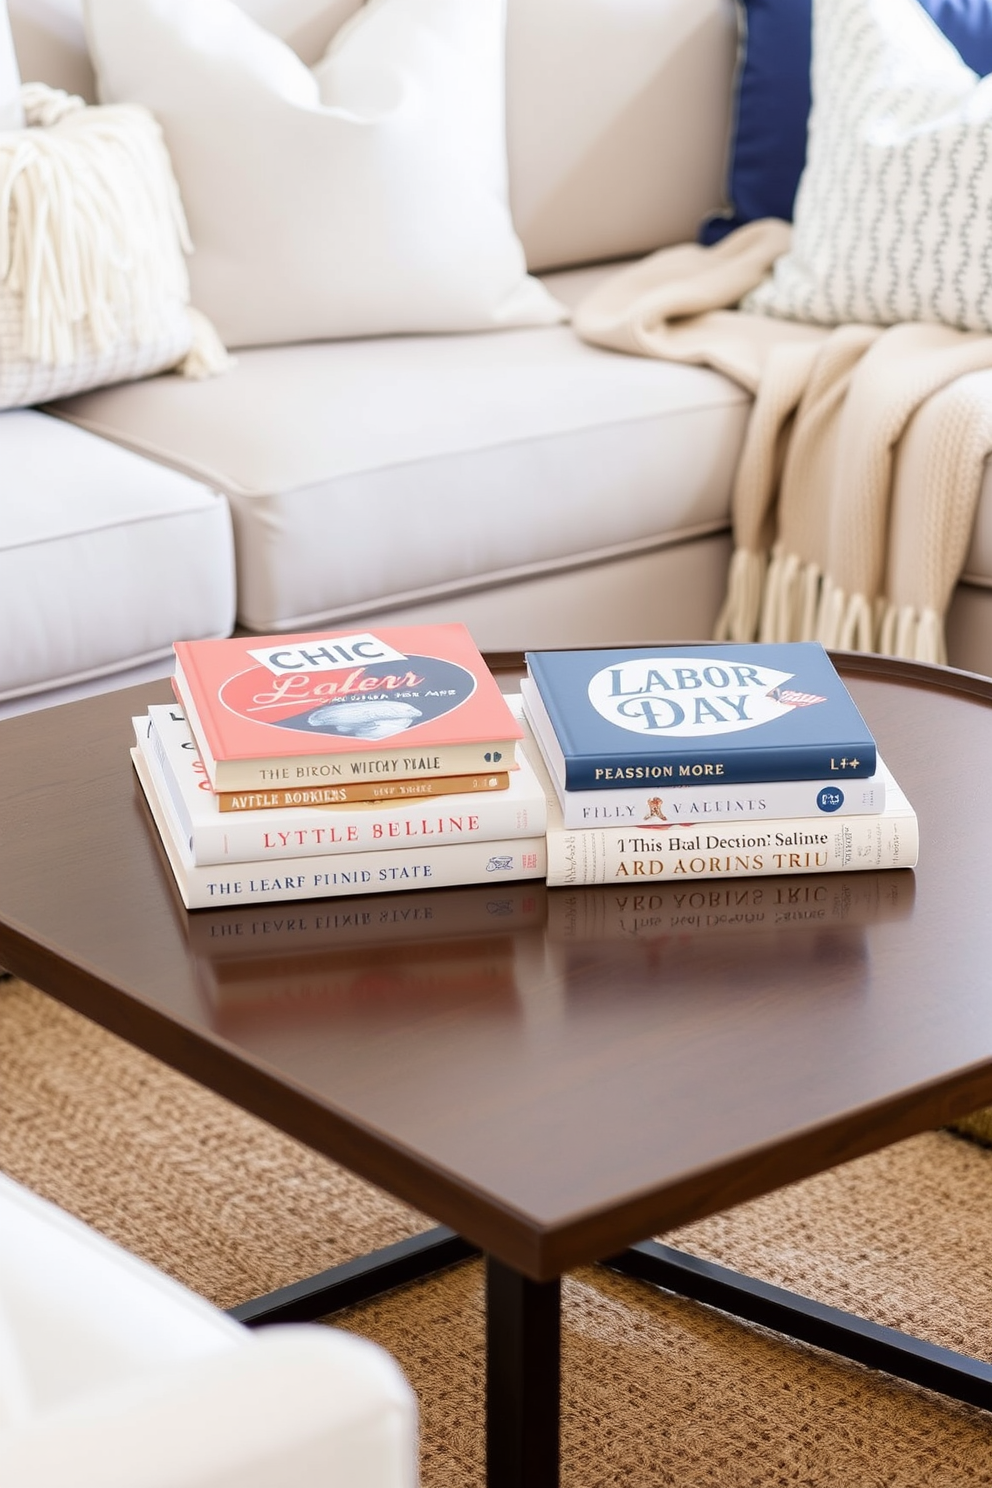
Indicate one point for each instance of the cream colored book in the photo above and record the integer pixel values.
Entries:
(218, 885)
(675, 853)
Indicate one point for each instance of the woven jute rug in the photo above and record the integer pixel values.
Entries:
(656, 1390)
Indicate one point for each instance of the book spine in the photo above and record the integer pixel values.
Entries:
(297, 832)
(741, 767)
(217, 885)
(395, 791)
(373, 765)
(246, 840)
(740, 849)
(695, 806)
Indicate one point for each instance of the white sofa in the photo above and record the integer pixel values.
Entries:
(540, 490)
(114, 1376)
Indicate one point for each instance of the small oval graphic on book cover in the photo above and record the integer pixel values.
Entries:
(693, 696)
(363, 702)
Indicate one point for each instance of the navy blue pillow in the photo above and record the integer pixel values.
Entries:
(768, 145)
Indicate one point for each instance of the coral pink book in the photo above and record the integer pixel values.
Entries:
(332, 707)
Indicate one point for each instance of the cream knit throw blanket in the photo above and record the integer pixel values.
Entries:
(856, 490)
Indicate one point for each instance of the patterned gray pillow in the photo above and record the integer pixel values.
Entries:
(893, 219)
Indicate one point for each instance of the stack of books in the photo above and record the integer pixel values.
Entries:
(309, 766)
(669, 764)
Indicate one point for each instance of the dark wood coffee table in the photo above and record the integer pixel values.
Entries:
(554, 1078)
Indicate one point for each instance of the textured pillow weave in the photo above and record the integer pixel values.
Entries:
(93, 284)
(893, 219)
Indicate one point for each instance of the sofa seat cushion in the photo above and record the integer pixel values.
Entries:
(370, 474)
(105, 558)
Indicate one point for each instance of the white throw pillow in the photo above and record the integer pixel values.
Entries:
(11, 113)
(893, 218)
(367, 196)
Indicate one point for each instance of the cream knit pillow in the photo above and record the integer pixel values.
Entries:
(893, 218)
(93, 284)
(365, 197)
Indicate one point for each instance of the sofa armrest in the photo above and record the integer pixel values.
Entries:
(296, 1407)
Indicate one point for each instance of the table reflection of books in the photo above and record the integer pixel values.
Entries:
(731, 942)
(728, 907)
(364, 953)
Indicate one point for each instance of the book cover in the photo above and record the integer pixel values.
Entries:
(213, 836)
(325, 877)
(339, 706)
(656, 806)
(699, 714)
(780, 845)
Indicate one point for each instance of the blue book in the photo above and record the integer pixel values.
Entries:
(697, 714)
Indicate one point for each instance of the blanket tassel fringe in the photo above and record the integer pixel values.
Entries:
(785, 599)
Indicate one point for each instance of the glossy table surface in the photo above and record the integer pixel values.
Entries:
(553, 1073)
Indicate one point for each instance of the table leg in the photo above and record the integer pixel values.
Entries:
(523, 1379)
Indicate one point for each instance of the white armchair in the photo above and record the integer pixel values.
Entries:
(114, 1376)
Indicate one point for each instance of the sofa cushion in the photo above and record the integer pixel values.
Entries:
(772, 100)
(893, 207)
(127, 554)
(364, 197)
(375, 473)
(617, 110)
(617, 122)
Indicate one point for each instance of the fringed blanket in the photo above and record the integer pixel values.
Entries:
(856, 490)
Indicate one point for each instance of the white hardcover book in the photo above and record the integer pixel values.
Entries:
(215, 836)
(219, 885)
(696, 805)
(672, 852)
